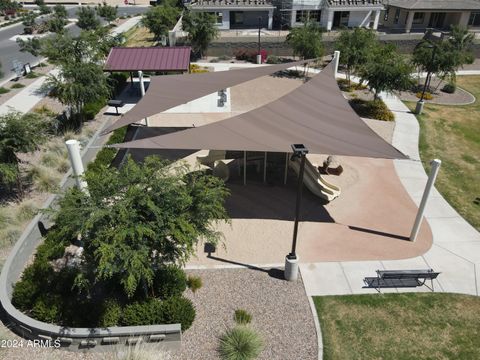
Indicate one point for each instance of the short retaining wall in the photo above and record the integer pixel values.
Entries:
(74, 339)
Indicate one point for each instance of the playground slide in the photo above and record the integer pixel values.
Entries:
(314, 182)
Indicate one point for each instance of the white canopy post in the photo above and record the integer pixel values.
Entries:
(336, 58)
(142, 85)
(426, 193)
(73, 147)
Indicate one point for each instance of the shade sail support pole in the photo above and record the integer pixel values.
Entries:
(265, 168)
(142, 85)
(286, 170)
(336, 58)
(435, 164)
(73, 147)
(244, 168)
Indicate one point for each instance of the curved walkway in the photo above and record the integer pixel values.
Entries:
(456, 244)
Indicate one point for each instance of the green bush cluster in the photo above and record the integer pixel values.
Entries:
(106, 155)
(4, 90)
(373, 109)
(449, 88)
(91, 109)
(170, 280)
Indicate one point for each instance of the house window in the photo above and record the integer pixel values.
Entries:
(218, 16)
(397, 16)
(313, 15)
(418, 18)
(474, 19)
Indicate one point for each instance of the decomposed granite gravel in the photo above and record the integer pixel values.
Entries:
(280, 310)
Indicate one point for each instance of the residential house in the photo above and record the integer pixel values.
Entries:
(332, 14)
(237, 14)
(418, 15)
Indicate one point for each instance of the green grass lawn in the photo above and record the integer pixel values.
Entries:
(452, 134)
(400, 326)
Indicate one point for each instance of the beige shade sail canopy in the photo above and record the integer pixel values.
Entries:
(316, 114)
(167, 91)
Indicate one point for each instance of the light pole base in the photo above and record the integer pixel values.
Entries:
(259, 59)
(291, 269)
(419, 107)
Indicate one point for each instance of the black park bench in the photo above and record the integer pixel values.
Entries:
(116, 104)
(400, 279)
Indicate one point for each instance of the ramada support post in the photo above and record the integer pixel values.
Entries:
(73, 147)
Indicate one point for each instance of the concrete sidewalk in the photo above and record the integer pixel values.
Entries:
(456, 244)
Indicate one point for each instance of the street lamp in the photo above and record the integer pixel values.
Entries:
(291, 260)
(259, 55)
(421, 103)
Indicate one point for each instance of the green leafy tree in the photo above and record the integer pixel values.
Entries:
(57, 25)
(31, 45)
(201, 28)
(87, 18)
(138, 219)
(355, 48)
(19, 134)
(306, 41)
(60, 11)
(28, 19)
(75, 85)
(109, 13)
(160, 19)
(387, 71)
(9, 5)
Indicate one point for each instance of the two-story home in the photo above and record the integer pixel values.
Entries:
(410, 15)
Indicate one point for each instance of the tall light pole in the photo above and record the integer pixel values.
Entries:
(421, 103)
(291, 260)
(259, 55)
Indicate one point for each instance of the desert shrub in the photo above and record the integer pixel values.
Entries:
(49, 159)
(17, 86)
(5, 217)
(148, 312)
(91, 109)
(240, 343)
(273, 59)
(106, 155)
(9, 236)
(426, 96)
(26, 211)
(111, 314)
(246, 55)
(194, 283)
(374, 109)
(43, 178)
(44, 110)
(242, 317)
(214, 60)
(47, 309)
(62, 165)
(449, 88)
(178, 309)
(32, 75)
(4, 90)
(195, 69)
(224, 58)
(170, 280)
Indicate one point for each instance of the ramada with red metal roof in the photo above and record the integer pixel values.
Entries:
(165, 59)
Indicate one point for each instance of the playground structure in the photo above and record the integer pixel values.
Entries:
(218, 162)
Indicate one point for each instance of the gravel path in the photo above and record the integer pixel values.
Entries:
(280, 309)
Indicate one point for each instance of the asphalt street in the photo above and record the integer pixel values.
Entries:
(9, 50)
